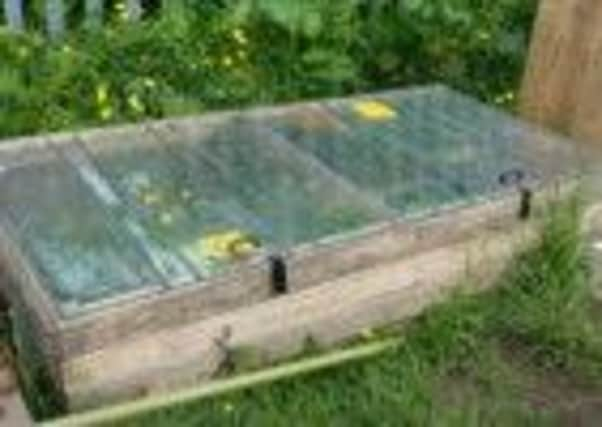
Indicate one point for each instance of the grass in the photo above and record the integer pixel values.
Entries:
(528, 353)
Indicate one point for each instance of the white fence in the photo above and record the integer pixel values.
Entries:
(55, 10)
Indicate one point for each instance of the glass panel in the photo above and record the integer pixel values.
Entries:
(269, 188)
(420, 148)
(542, 154)
(404, 163)
(81, 251)
(174, 194)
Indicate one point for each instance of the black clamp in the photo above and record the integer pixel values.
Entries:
(518, 178)
(278, 275)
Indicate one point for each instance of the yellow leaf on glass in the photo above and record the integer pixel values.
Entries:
(242, 248)
(374, 111)
(227, 245)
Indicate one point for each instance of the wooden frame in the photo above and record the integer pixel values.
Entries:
(174, 332)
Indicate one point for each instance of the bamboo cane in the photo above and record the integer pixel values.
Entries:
(128, 410)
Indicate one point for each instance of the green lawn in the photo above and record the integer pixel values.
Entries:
(529, 353)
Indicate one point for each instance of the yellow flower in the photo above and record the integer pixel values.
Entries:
(122, 12)
(374, 110)
(240, 36)
(23, 52)
(241, 54)
(150, 83)
(102, 94)
(484, 35)
(106, 112)
(135, 103)
(227, 61)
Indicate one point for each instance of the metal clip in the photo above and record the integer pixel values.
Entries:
(278, 275)
(526, 201)
(517, 178)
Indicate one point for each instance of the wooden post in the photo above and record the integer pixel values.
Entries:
(55, 18)
(13, 10)
(94, 13)
(134, 10)
(562, 87)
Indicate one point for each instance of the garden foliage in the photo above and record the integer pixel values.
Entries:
(193, 56)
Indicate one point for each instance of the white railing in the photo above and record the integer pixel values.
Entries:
(55, 14)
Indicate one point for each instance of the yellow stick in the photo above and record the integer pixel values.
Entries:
(127, 410)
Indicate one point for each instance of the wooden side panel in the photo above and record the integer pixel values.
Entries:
(328, 313)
